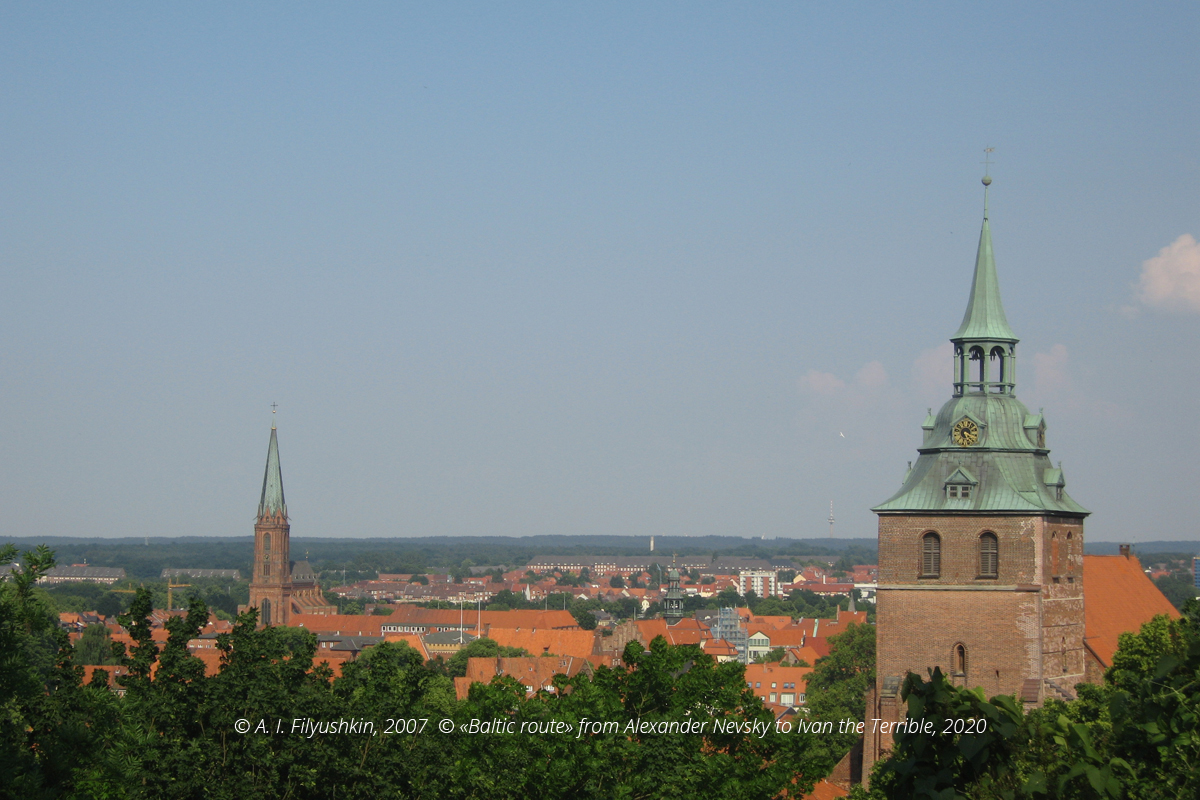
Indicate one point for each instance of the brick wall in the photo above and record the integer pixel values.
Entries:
(1025, 623)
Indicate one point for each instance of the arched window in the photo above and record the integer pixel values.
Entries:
(266, 612)
(960, 660)
(989, 556)
(1002, 372)
(931, 555)
(977, 357)
(266, 542)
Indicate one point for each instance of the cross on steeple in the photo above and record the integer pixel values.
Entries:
(987, 160)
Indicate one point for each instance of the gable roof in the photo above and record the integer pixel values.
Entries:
(339, 624)
(1117, 598)
(410, 639)
(961, 475)
(557, 641)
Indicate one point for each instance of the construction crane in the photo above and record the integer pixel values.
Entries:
(171, 586)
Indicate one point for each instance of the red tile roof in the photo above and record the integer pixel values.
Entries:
(538, 641)
(340, 624)
(411, 639)
(536, 672)
(826, 791)
(1117, 598)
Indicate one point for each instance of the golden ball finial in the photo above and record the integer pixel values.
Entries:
(987, 180)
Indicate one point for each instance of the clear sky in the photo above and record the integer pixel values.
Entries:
(515, 269)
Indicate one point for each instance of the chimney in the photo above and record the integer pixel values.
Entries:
(1125, 550)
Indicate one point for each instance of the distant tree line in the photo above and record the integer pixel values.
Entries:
(366, 558)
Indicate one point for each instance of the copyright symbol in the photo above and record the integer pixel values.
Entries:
(446, 725)
(242, 725)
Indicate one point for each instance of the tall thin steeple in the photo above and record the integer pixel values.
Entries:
(271, 503)
(985, 347)
(984, 318)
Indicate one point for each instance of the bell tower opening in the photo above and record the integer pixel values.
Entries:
(981, 536)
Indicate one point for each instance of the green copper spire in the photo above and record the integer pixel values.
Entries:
(983, 453)
(985, 314)
(272, 502)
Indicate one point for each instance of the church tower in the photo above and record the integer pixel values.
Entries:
(981, 549)
(270, 588)
(673, 601)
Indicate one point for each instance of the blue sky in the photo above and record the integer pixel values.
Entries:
(630, 269)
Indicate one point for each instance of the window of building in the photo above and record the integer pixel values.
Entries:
(955, 490)
(266, 542)
(960, 660)
(931, 555)
(989, 555)
(773, 685)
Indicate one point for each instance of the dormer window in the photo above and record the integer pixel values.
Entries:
(960, 485)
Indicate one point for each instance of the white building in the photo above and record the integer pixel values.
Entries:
(762, 582)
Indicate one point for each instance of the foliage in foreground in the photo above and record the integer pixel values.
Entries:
(1135, 737)
(174, 732)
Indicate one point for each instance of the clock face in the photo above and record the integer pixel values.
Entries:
(965, 433)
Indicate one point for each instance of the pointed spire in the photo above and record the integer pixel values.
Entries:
(985, 313)
(272, 502)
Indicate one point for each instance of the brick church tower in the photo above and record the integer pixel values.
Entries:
(270, 588)
(981, 549)
(280, 588)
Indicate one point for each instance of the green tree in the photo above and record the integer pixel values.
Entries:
(730, 598)
(585, 618)
(840, 680)
(94, 646)
(1177, 589)
(1137, 736)
(456, 666)
(778, 654)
